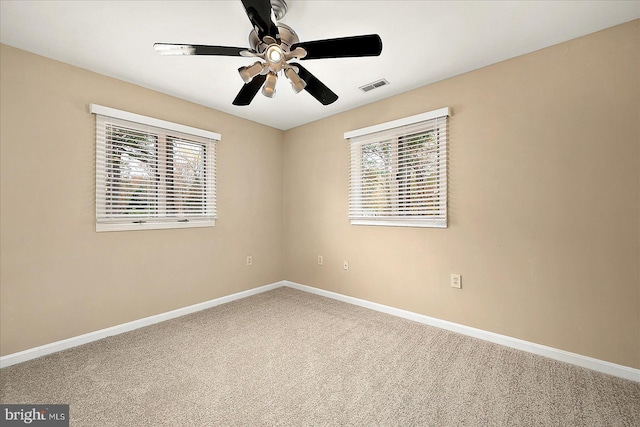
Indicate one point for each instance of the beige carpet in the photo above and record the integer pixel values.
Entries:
(290, 358)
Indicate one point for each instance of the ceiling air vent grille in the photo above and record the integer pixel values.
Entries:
(374, 85)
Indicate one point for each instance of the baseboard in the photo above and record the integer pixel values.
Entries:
(33, 353)
(550, 352)
(542, 350)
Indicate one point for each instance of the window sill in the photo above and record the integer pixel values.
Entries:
(429, 223)
(153, 225)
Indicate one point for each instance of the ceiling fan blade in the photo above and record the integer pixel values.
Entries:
(197, 49)
(259, 13)
(249, 90)
(315, 87)
(343, 47)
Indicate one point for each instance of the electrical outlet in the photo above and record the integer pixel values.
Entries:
(456, 281)
(249, 260)
(345, 266)
(320, 260)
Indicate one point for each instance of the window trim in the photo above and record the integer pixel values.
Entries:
(140, 120)
(406, 121)
(441, 112)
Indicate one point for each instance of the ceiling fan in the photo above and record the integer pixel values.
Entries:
(274, 45)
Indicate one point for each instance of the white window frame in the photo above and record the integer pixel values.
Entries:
(165, 130)
(381, 133)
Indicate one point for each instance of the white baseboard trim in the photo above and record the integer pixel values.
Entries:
(43, 350)
(542, 350)
(550, 352)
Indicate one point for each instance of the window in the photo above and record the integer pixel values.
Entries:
(151, 173)
(398, 173)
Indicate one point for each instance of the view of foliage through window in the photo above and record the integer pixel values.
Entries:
(400, 176)
(377, 173)
(185, 178)
(132, 182)
(149, 172)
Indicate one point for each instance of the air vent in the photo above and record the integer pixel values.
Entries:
(374, 85)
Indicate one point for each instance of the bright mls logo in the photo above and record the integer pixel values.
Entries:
(36, 415)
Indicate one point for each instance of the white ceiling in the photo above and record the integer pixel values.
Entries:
(423, 42)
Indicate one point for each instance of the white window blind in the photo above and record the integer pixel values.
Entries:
(398, 172)
(152, 177)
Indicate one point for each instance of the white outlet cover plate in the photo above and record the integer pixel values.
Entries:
(456, 281)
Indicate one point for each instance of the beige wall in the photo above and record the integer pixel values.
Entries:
(544, 205)
(544, 202)
(59, 277)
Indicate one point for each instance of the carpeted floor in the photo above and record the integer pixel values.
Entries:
(290, 358)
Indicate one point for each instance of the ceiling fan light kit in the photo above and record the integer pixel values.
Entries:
(275, 45)
(248, 73)
(269, 88)
(296, 82)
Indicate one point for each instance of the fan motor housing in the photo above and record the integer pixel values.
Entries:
(288, 37)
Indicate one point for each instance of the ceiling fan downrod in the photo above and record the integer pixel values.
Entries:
(279, 8)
